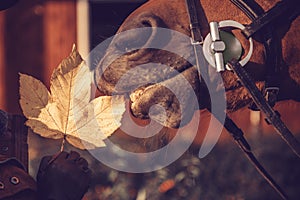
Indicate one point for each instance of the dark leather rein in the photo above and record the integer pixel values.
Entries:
(263, 24)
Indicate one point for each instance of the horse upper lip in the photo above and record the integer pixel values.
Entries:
(129, 87)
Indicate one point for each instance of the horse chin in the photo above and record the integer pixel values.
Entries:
(156, 102)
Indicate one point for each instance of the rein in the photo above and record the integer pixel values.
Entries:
(261, 21)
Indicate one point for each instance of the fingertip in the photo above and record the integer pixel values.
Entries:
(83, 163)
(73, 155)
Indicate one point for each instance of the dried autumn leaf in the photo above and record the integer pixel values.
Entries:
(65, 111)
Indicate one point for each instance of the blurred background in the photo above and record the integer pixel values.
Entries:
(35, 35)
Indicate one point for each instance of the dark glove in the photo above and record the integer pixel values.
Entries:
(65, 176)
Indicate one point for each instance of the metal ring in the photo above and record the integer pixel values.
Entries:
(1, 185)
(235, 24)
(226, 24)
(14, 180)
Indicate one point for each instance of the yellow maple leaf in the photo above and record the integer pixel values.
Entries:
(63, 112)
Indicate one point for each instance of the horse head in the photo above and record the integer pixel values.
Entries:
(173, 15)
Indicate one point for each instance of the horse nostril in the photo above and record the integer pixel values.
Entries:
(150, 20)
(146, 23)
(139, 34)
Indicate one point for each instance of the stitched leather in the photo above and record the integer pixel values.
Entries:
(22, 183)
(13, 138)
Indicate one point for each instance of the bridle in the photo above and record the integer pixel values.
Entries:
(263, 24)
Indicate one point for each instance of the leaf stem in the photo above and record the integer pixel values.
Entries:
(63, 144)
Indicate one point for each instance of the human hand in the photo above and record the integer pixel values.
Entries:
(63, 176)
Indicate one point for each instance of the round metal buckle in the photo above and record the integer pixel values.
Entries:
(213, 44)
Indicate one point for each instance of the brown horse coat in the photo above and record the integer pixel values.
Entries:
(172, 14)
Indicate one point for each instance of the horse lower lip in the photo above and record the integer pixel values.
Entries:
(127, 87)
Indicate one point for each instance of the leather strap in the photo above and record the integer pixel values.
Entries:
(271, 115)
(238, 136)
(263, 25)
(251, 9)
(283, 10)
(195, 27)
(197, 38)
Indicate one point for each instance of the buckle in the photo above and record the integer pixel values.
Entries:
(271, 95)
(197, 38)
(272, 89)
(194, 42)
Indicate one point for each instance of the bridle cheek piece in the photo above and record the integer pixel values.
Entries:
(215, 45)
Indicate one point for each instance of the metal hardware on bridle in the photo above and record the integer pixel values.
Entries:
(213, 50)
(215, 46)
